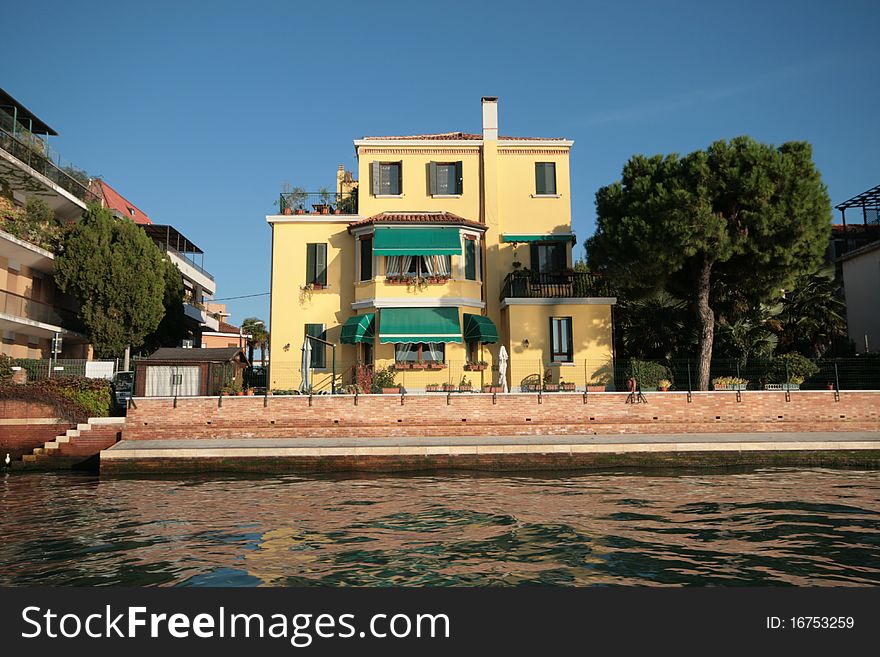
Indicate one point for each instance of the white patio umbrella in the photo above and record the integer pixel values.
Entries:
(502, 368)
(305, 368)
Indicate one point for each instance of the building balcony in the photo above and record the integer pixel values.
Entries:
(312, 203)
(195, 310)
(555, 285)
(409, 291)
(25, 315)
(29, 166)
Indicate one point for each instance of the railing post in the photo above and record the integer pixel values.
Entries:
(690, 386)
(836, 382)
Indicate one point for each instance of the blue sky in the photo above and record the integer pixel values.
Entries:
(198, 112)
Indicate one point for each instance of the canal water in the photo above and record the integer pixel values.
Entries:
(758, 527)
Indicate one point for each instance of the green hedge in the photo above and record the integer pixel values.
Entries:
(75, 398)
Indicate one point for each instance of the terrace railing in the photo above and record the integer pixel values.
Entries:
(533, 285)
(35, 153)
(317, 203)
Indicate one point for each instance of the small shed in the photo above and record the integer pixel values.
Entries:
(173, 372)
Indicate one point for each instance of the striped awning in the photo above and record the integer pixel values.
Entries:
(358, 328)
(419, 325)
(478, 328)
(433, 240)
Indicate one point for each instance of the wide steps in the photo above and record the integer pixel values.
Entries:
(76, 446)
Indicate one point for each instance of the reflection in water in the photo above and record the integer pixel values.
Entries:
(775, 526)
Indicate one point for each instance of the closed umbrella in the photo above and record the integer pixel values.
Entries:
(305, 369)
(502, 368)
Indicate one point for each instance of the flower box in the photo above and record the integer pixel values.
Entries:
(419, 366)
(432, 387)
(492, 389)
(551, 387)
(465, 388)
(782, 386)
(568, 387)
(731, 386)
(402, 366)
(595, 388)
(436, 366)
(390, 391)
(475, 367)
(533, 387)
(449, 387)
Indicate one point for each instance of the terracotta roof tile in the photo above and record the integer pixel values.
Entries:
(226, 327)
(412, 217)
(116, 201)
(460, 136)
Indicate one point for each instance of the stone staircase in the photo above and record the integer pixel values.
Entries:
(77, 448)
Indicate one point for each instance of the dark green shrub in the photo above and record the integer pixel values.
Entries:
(6, 363)
(648, 373)
(799, 368)
(74, 398)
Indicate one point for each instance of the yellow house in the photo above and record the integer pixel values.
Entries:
(453, 246)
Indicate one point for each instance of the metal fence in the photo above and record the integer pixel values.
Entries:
(34, 369)
(317, 203)
(534, 375)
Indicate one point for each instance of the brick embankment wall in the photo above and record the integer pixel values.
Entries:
(480, 415)
(26, 425)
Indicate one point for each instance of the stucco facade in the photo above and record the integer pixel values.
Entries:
(861, 284)
(482, 224)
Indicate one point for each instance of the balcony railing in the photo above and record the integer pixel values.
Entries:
(34, 152)
(317, 203)
(37, 311)
(534, 285)
(170, 249)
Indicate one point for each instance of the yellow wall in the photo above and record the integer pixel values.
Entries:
(293, 308)
(519, 209)
(461, 289)
(416, 183)
(591, 337)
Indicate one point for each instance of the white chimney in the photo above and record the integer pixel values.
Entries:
(490, 118)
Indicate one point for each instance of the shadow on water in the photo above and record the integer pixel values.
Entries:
(731, 526)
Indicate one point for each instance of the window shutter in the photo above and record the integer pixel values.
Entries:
(533, 254)
(559, 259)
(321, 264)
(539, 178)
(459, 181)
(549, 178)
(432, 177)
(310, 263)
(377, 178)
(399, 189)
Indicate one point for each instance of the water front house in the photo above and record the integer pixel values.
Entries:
(453, 245)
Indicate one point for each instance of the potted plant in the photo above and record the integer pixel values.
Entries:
(476, 365)
(488, 387)
(567, 386)
(595, 387)
(288, 210)
(448, 387)
(419, 365)
(789, 371)
(465, 385)
(729, 383)
(436, 365)
(324, 195)
(551, 387)
(298, 197)
(432, 387)
(648, 374)
(664, 384)
(384, 382)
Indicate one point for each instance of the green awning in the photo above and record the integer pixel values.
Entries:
(478, 328)
(358, 328)
(416, 241)
(546, 237)
(419, 325)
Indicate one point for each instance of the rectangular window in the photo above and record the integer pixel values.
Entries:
(422, 266)
(428, 352)
(387, 178)
(470, 259)
(560, 340)
(548, 257)
(366, 255)
(319, 351)
(316, 264)
(545, 177)
(445, 178)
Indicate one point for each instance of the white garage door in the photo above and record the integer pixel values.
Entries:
(171, 381)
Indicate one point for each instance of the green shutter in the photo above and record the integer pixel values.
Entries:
(319, 351)
(539, 178)
(470, 260)
(321, 264)
(549, 178)
(559, 256)
(533, 256)
(377, 178)
(399, 178)
(459, 181)
(432, 177)
(310, 263)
